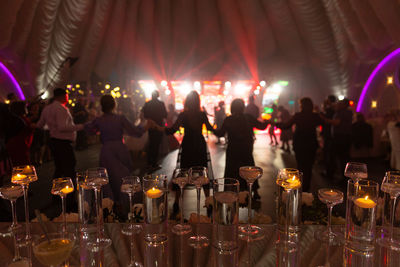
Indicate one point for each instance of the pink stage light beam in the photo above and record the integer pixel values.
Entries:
(13, 80)
(372, 77)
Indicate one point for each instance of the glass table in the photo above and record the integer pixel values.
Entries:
(177, 252)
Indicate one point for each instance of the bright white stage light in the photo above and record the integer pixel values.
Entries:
(257, 92)
(228, 84)
(263, 83)
(167, 92)
(341, 97)
(226, 92)
(164, 83)
(45, 95)
(197, 85)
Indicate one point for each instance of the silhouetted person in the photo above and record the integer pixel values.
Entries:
(251, 108)
(328, 112)
(362, 133)
(239, 127)
(286, 134)
(220, 115)
(305, 142)
(271, 130)
(81, 116)
(194, 147)
(155, 111)
(62, 134)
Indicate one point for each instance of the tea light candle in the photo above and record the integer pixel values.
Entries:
(331, 193)
(154, 193)
(67, 190)
(18, 177)
(27, 169)
(292, 183)
(365, 203)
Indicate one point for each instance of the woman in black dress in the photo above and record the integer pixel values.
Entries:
(239, 127)
(193, 147)
(305, 142)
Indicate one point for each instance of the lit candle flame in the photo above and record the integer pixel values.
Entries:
(366, 197)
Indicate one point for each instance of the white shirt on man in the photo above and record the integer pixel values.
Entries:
(59, 121)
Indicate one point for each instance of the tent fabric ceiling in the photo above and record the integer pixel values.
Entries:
(199, 39)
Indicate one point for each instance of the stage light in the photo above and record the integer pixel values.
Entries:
(283, 83)
(78, 85)
(197, 85)
(263, 83)
(351, 103)
(341, 97)
(116, 88)
(389, 80)
(164, 83)
(276, 88)
(291, 102)
(125, 96)
(69, 86)
(107, 86)
(228, 84)
(7, 101)
(167, 92)
(257, 92)
(46, 94)
(374, 104)
(102, 91)
(226, 92)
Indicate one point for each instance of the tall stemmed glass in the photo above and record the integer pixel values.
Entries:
(17, 260)
(181, 178)
(250, 232)
(24, 175)
(330, 197)
(95, 179)
(131, 185)
(198, 176)
(391, 186)
(62, 187)
(356, 171)
(12, 193)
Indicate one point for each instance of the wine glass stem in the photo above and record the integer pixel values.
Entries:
(27, 225)
(330, 207)
(393, 217)
(198, 189)
(131, 210)
(287, 219)
(181, 204)
(250, 185)
(64, 228)
(132, 250)
(97, 195)
(14, 214)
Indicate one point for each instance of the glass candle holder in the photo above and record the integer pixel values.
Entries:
(362, 197)
(155, 208)
(225, 214)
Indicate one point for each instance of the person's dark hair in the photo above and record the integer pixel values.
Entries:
(332, 98)
(306, 104)
(192, 102)
(221, 104)
(18, 108)
(107, 103)
(346, 102)
(237, 106)
(360, 117)
(59, 92)
(11, 96)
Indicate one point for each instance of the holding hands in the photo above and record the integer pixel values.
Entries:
(150, 124)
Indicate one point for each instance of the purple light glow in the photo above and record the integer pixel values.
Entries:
(372, 77)
(13, 80)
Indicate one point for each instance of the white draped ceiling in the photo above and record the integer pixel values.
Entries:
(333, 42)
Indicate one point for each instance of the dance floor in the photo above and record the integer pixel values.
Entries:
(268, 157)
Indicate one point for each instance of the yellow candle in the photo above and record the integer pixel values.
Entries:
(292, 183)
(67, 190)
(365, 202)
(331, 193)
(154, 193)
(27, 169)
(18, 177)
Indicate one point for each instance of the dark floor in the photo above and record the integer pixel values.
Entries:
(269, 158)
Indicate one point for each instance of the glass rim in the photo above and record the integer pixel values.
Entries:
(62, 179)
(394, 172)
(130, 177)
(153, 177)
(356, 163)
(95, 169)
(363, 182)
(198, 168)
(217, 180)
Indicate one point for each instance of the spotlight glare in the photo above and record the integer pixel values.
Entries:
(374, 104)
(164, 83)
(257, 92)
(228, 84)
(389, 80)
(107, 86)
(263, 83)
(78, 85)
(116, 88)
(341, 97)
(197, 85)
(167, 92)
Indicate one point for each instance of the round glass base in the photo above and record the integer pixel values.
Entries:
(286, 246)
(198, 241)
(19, 262)
(251, 233)
(181, 229)
(333, 238)
(99, 244)
(389, 243)
(135, 264)
(131, 229)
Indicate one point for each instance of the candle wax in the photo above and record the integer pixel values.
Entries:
(67, 190)
(365, 203)
(19, 176)
(154, 193)
(331, 193)
(292, 183)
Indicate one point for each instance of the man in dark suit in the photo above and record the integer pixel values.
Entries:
(154, 110)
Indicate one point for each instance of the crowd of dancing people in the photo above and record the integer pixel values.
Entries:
(34, 131)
